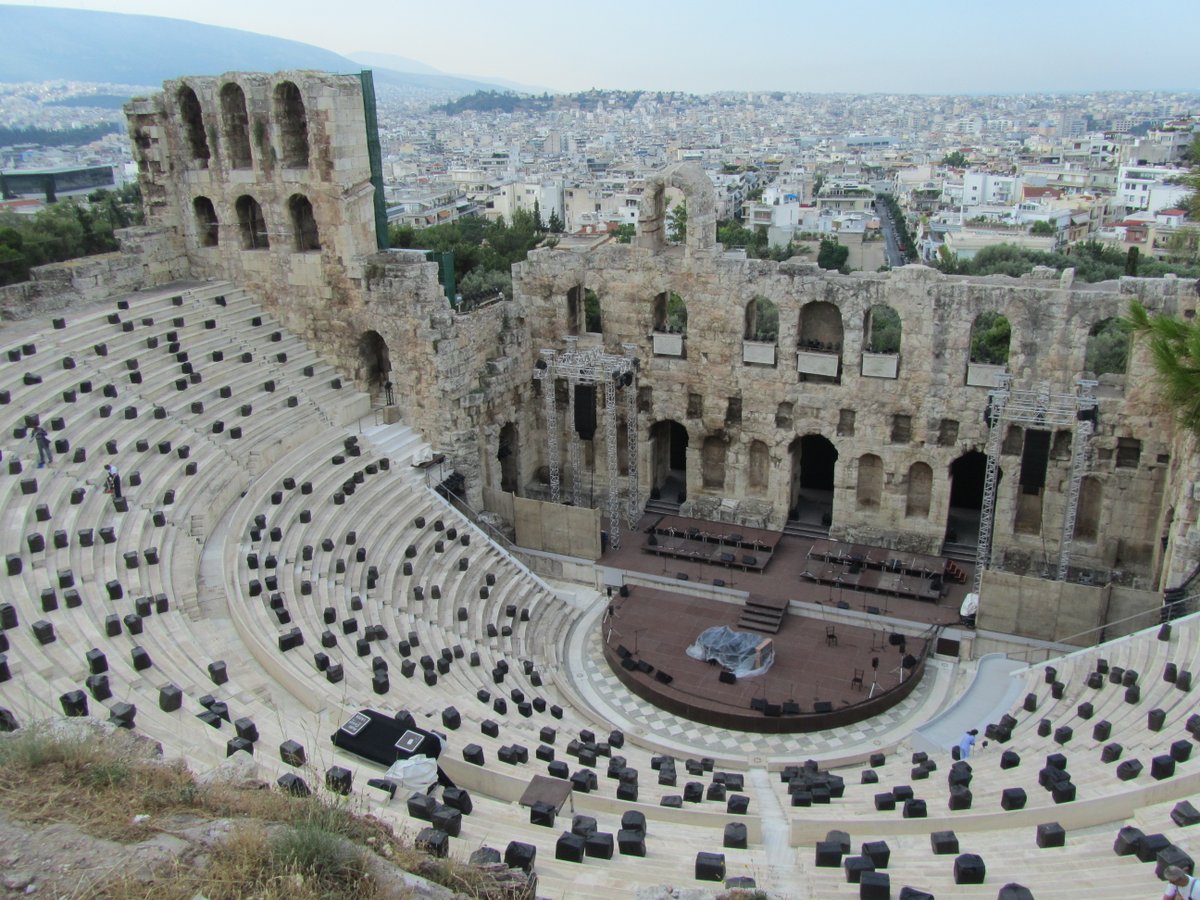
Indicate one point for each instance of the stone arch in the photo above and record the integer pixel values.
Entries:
(207, 226)
(920, 491)
(1108, 347)
(235, 122)
(760, 468)
(304, 226)
(991, 336)
(251, 224)
(193, 125)
(507, 452)
(819, 342)
(712, 460)
(761, 321)
(869, 489)
(374, 360)
(293, 125)
(882, 329)
(670, 313)
(1091, 506)
(697, 190)
(668, 461)
(967, 475)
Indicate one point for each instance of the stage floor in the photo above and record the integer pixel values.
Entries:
(659, 625)
(782, 579)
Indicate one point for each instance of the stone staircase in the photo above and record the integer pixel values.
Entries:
(796, 528)
(400, 443)
(959, 552)
(662, 507)
(763, 614)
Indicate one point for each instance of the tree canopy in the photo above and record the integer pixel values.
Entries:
(1091, 260)
(956, 160)
(832, 255)
(989, 338)
(65, 230)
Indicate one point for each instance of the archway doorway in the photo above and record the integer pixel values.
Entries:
(668, 461)
(811, 497)
(506, 452)
(375, 366)
(967, 474)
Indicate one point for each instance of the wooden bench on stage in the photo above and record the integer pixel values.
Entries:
(748, 549)
(878, 570)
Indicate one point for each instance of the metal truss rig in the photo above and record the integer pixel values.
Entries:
(614, 373)
(1041, 409)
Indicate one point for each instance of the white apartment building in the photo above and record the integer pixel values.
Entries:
(1150, 188)
(544, 193)
(986, 189)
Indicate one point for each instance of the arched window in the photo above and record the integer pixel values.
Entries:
(670, 313)
(207, 227)
(304, 226)
(592, 322)
(236, 123)
(870, 481)
(193, 125)
(882, 329)
(1108, 347)
(251, 224)
(760, 467)
(293, 125)
(761, 332)
(990, 335)
(712, 461)
(920, 488)
(819, 343)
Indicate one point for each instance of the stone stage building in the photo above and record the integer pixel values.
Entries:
(766, 393)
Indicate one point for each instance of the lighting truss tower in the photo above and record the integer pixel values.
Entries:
(1039, 408)
(615, 374)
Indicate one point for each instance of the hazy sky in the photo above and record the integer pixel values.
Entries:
(967, 46)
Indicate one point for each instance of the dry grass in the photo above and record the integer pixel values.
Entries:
(286, 846)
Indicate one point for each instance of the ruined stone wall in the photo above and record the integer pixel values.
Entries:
(727, 406)
(302, 141)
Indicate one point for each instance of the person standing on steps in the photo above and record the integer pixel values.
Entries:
(41, 437)
(967, 743)
(1182, 884)
(112, 484)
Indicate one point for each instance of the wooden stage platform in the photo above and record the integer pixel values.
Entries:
(809, 687)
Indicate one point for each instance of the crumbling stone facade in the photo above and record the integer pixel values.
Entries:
(763, 389)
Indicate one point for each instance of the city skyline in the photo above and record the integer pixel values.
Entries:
(1046, 48)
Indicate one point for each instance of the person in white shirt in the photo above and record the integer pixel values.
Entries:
(1182, 886)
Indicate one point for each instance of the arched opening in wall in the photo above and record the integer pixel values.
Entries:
(670, 313)
(1108, 349)
(1091, 504)
(712, 461)
(811, 494)
(374, 363)
(251, 224)
(967, 474)
(592, 323)
(207, 226)
(881, 342)
(507, 450)
(193, 126)
(761, 332)
(304, 226)
(920, 491)
(760, 468)
(675, 215)
(668, 461)
(574, 309)
(293, 125)
(235, 122)
(991, 334)
(819, 343)
(869, 489)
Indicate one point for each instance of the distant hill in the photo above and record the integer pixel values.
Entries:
(43, 44)
(509, 102)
